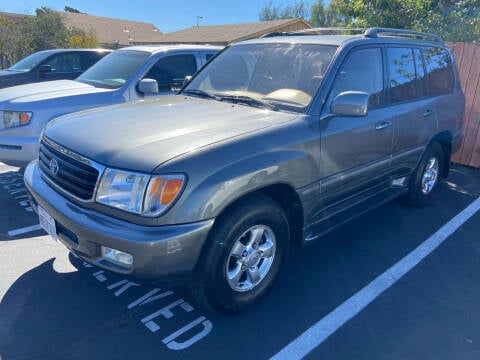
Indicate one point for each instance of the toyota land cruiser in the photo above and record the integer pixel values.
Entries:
(276, 140)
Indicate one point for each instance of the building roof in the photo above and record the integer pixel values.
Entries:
(112, 31)
(225, 34)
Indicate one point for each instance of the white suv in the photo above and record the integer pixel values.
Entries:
(125, 75)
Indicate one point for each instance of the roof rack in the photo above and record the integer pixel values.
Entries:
(315, 31)
(378, 32)
(373, 32)
(320, 30)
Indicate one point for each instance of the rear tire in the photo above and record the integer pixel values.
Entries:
(426, 177)
(243, 255)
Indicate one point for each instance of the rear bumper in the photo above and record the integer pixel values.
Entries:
(159, 252)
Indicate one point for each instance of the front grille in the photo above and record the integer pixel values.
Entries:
(69, 174)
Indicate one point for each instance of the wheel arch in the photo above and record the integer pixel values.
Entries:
(444, 139)
(286, 198)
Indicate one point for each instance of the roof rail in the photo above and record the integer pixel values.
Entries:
(315, 31)
(320, 30)
(374, 32)
(377, 32)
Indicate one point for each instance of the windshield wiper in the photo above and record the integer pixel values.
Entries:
(247, 100)
(200, 93)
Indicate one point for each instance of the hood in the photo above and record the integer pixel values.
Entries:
(140, 136)
(12, 78)
(46, 90)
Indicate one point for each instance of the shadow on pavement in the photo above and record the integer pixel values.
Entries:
(85, 315)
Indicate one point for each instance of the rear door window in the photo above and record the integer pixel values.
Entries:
(402, 74)
(440, 75)
(421, 78)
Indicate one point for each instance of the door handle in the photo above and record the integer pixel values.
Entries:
(383, 125)
(427, 113)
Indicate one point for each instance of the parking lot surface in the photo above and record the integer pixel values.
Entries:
(54, 306)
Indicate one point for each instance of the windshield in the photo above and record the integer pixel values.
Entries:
(115, 69)
(283, 75)
(28, 63)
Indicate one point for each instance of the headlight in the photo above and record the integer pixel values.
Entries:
(16, 118)
(139, 193)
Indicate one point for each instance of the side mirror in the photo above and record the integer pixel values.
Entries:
(148, 86)
(187, 80)
(350, 103)
(43, 69)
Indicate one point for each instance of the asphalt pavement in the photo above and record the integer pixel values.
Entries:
(54, 306)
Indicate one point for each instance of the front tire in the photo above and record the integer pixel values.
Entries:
(243, 255)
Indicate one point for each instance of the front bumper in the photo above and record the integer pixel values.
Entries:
(18, 151)
(159, 252)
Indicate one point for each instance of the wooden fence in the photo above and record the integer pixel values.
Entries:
(467, 56)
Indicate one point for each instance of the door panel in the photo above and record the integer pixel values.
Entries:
(355, 156)
(355, 151)
(413, 115)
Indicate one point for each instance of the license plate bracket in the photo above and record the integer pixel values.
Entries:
(47, 222)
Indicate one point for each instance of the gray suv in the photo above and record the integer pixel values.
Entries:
(275, 141)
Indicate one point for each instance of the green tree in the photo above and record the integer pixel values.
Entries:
(322, 15)
(271, 11)
(44, 31)
(454, 20)
(9, 32)
(72, 10)
(81, 39)
(385, 13)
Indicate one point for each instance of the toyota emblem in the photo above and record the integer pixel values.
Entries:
(54, 167)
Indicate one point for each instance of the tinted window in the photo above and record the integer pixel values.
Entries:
(170, 71)
(401, 65)
(285, 75)
(362, 71)
(209, 56)
(440, 76)
(114, 69)
(28, 63)
(90, 58)
(64, 63)
(421, 82)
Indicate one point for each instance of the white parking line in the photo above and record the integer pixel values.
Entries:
(24, 230)
(6, 168)
(320, 331)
